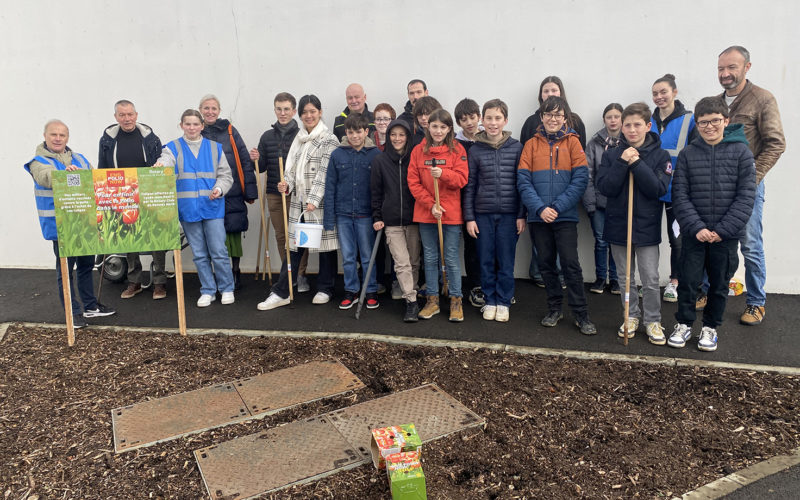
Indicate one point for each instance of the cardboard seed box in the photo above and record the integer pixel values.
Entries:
(395, 439)
(406, 479)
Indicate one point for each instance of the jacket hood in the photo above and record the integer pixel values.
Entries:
(388, 149)
(368, 143)
(408, 107)
(220, 125)
(113, 130)
(651, 143)
(679, 111)
(483, 138)
(734, 133)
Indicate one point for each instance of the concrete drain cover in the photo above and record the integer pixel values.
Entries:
(295, 453)
(434, 413)
(308, 450)
(171, 417)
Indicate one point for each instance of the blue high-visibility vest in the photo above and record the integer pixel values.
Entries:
(674, 138)
(45, 207)
(195, 179)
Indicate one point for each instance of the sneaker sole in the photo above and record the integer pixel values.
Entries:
(676, 346)
(657, 341)
(348, 306)
(706, 349)
(595, 290)
(373, 307)
(748, 323)
(429, 316)
(130, 296)
(269, 307)
(671, 299)
(98, 314)
(615, 292)
(501, 320)
(455, 320)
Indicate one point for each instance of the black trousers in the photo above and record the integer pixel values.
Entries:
(560, 240)
(472, 263)
(720, 261)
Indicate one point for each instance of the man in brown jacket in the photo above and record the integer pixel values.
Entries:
(757, 110)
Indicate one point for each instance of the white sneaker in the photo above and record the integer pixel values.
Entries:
(655, 333)
(502, 314)
(227, 298)
(680, 335)
(671, 292)
(302, 283)
(489, 312)
(272, 302)
(633, 325)
(321, 298)
(708, 339)
(206, 300)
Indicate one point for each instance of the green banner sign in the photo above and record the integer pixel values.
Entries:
(116, 211)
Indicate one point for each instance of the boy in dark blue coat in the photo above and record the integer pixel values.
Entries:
(639, 153)
(348, 206)
(712, 197)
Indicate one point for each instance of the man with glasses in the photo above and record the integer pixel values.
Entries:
(757, 110)
(356, 103)
(275, 144)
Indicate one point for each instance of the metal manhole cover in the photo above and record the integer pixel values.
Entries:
(271, 392)
(295, 453)
(434, 413)
(167, 418)
(171, 417)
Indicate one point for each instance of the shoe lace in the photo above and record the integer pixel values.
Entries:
(707, 335)
(752, 310)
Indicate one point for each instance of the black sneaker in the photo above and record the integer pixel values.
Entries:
(98, 311)
(349, 300)
(538, 281)
(614, 286)
(476, 297)
(552, 318)
(586, 326)
(412, 312)
(598, 286)
(372, 301)
(78, 321)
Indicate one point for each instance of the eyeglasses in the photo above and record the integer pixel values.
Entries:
(381, 120)
(552, 116)
(707, 123)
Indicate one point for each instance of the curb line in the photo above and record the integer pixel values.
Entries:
(394, 339)
(3, 330)
(732, 482)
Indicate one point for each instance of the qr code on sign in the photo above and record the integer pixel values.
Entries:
(73, 180)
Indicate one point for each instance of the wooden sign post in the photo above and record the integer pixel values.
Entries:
(66, 290)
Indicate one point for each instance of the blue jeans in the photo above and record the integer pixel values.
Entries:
(356, 237)
(604, 266)
(430, 252)
(83, 266)
(207, 239)
(755, 264)
(497, 243)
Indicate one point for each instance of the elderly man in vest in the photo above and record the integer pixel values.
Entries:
(54, 155)
(356, 103)
(129, 144)
(757, 110)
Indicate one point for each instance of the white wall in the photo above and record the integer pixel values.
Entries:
(73, 60)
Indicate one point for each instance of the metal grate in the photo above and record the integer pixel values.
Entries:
(308, 450)
(151, 422)
(171, 417)
(271, 392)
(434, 413)
(295, 453)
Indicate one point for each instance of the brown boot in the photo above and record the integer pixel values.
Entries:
(753, 315)
(456, 311)
(159, 292)
(431, 307)
(133, 289)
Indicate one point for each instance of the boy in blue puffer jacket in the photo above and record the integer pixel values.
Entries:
(492, 209)
(348, 206)
(712, 196)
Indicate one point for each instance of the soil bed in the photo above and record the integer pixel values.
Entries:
(556, 427)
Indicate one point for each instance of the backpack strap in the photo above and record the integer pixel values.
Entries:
(236, 155)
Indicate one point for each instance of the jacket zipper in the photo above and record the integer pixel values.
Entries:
(400, 178)
(713, 182)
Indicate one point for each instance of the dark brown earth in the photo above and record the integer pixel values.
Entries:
(556, 427)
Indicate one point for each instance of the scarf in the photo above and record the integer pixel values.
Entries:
(285, 129)
(611, 142)
(299, 150)
(555, 136)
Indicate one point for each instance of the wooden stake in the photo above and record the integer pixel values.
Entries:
(441, 237)
(628, 251)
(66, 290)
(179, 292)
(286, 234)
(261, 199)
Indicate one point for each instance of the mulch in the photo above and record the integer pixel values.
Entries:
(556, 427)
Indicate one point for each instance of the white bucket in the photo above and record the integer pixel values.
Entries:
(307, 235)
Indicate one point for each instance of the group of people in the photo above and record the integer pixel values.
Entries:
(413, 180)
